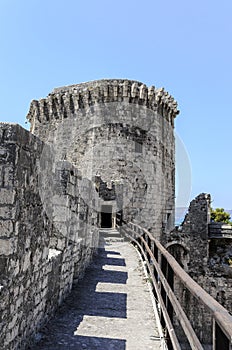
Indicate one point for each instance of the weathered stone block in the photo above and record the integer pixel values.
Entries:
(6, 228)
(45, 253)
(8, 176)
(16, 269)
(26, 261)
(7, 196)
(36, 260)
(7, 246)
(19, 302)
(7, 212)
(13, 321)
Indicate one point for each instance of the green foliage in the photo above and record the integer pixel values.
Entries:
(220, 215)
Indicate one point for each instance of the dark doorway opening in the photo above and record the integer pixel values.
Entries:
(106, 220)
(106, 216)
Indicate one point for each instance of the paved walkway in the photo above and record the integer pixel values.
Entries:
(110, 309)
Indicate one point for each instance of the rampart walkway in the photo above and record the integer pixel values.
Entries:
(109, 309)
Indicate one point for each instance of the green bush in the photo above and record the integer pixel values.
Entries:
(220, 215)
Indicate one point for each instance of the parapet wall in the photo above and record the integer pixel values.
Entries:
(66, 101)
(44, 246)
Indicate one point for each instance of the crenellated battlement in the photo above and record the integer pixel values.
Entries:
(65, 101)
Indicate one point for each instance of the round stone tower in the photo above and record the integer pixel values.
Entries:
(119, 135)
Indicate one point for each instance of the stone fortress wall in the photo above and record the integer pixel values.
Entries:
(42, 253)
(107, 142)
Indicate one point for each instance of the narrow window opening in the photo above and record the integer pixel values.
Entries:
(138, 147)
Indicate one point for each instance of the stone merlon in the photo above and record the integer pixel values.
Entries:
(66, 101)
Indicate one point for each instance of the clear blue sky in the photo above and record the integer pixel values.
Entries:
(184, 46)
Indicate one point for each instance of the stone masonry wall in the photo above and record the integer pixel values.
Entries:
(193, 234)
(44, 247)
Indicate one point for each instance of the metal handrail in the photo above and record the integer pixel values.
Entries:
(220, 315)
